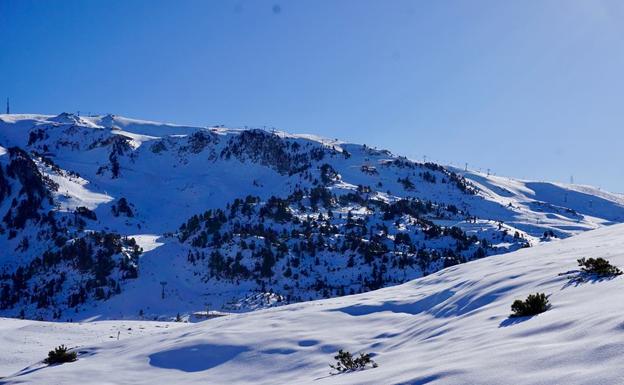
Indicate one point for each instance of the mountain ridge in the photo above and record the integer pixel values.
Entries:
(225, 215)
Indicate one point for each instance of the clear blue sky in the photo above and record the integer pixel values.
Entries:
(528, 88)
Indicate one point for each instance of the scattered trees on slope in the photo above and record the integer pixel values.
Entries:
(282, 243)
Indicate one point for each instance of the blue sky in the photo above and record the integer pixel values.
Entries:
(527, 88)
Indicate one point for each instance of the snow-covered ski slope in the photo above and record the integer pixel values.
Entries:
(451, 327)
(165, 174)
(549, 202)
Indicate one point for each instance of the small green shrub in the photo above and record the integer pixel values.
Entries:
(599, 267)
(534, 304)
(345, 362)
(60, 355)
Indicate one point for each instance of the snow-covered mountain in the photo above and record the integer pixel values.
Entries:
(451, 327)
(119, 218)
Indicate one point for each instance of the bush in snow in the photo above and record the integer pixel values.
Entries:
(599, 267)
(534, 304)
(345, 362)
(60, 355)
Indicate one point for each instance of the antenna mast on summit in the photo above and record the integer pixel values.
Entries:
(8, 111)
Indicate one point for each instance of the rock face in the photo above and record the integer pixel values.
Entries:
(110, 216)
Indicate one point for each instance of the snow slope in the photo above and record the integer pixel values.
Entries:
(451, 327)
(22, 340)
(162, 157)
(141, 181)
(549, 203)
